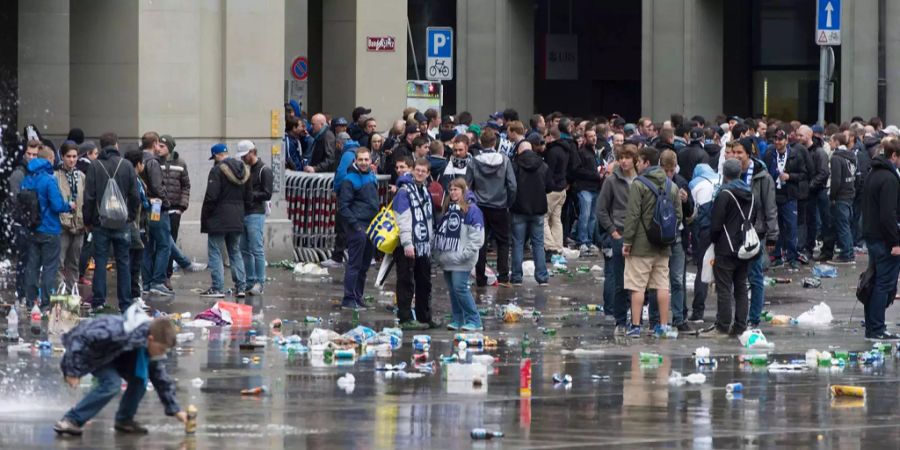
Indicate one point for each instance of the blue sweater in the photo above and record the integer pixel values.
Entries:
(40, 179)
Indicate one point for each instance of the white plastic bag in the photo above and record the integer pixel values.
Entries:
(706, 273)
(818, 315)
(528, 268)
(755, 339)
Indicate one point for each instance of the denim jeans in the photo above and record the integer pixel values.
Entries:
(786, 247)
(108, 386)
(253, 248)
(676, 287)
(817, 212)
(462, 304)
(615, 298)
(524, 227)
(359, 257)
(43, 262)
(757, 286)
(841, 212)
(120, 240)
(886, 269)
(183, 261)
(232, 241)
(587, 218)
(156, 255)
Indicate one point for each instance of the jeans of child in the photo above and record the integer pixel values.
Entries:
(43, 262)
(214, 246)
(462, 304)
(253, 249)
(109, 382)
(523, 228)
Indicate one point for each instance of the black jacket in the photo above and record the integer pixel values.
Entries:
(796, 168)
(96, 180)
(843, 175)
(586, 177)
(557, 158)
(531, 176)
(177, 182)
(153, 178)
(863, 165)
(259, 188)
(712, 152)
(689, 157)
(726, 216)
(880, 207)
(223, 204)
(820, 170)
(323, 158)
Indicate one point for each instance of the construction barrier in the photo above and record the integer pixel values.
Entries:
(312, 206)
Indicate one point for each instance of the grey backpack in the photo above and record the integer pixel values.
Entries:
(112, 208)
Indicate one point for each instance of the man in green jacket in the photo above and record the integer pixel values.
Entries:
(646, 264)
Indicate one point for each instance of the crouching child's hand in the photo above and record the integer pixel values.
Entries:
(181, 416)
(72, 381)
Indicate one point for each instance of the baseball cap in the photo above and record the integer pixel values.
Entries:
(736, 118)
(492, 124)
(244, 147)
(817, 129)
(339, 122)
(780, 134)
(697, 134)
(420, 117)
(216, 149)
(629, 128)
(410, 128)
(168, 140)
(448, 119)
(497, 115)
(535, 139)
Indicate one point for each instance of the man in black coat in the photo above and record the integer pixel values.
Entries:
(556, 156)
(322, 156)
(789, 169)
(693, 154)
(259, 192)
(222, 218)
(528, 212)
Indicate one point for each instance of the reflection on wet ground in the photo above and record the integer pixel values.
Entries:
(628, 403)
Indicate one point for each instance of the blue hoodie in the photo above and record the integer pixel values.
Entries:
(348, 156)
(40, 179)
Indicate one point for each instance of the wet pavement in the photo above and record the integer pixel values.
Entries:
(631, 403)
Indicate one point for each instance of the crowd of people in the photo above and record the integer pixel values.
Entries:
(82, 204)
(749, 193)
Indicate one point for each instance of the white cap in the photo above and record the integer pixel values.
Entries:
(244, 147)
(892, 130)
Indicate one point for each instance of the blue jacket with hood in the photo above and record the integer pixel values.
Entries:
(40, 179)
(348, 156)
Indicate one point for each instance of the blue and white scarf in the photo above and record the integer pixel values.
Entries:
(450, 230)
(421, 211)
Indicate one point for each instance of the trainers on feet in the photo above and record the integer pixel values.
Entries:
(213, 293)
(713, 331)
(413, 325)
(255, 290)
(777, 262)
(843, 260)
(160, 289)
(883, 336)
(453, 326)
(130, 427)
(695, 318)
(620, 330)
(66, 426)
(332, 264)
(195, 267)
(634, 331)
(472, 327)
(685, 327)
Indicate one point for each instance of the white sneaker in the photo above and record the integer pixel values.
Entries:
(331, 264)
(195, 267)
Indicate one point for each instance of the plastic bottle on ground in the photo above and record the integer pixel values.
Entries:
(482, 434)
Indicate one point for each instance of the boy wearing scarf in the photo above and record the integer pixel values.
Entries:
(412, 206)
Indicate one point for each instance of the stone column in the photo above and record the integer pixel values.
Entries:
(43, 73)
(859, 59)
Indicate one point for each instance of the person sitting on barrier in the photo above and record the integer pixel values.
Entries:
(358, 203)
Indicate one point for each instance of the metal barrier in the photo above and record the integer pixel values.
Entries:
(311, 207)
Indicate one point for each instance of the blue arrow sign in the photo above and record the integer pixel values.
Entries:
(828, 15)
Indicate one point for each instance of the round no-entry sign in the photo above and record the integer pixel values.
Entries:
(300, 68)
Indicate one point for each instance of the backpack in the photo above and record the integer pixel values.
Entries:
(663, 229)
(112, 208)
(28, 209)
(866, 284)
(750, 246)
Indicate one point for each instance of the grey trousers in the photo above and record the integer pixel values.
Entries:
(69, 253)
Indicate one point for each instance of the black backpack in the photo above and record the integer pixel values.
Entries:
(28, 209)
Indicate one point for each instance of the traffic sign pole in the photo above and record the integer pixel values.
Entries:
(823, 83)
(828, 33)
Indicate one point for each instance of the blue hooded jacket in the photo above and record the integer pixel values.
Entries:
(348, 156)
(40, 179)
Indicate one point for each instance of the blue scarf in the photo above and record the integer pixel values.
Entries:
(141, 365)
(450, 230)
(421, 210)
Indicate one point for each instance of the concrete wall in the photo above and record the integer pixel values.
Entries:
(495, 56)
(380, 76)
(859, 59)
(339, 42)
(892, 49)
(681, 58)
(296, 41)
(43, 76)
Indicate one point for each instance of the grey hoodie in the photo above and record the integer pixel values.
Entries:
(763, 187)
(491, 178)
(613, 202)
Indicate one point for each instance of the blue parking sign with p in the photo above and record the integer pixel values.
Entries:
(440, 43)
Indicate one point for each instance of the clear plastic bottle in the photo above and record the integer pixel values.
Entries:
(35, 313)
(12, 324)
(482, 434)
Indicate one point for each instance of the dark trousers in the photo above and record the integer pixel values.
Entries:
(360, 250)
(856, 218)
(174, 225)
(413, 278)
(496, 223)
(701, 289)
(887, 268)
(87, 251)
(135, 258)
(731, 290)
(21, 237)
(817, 218)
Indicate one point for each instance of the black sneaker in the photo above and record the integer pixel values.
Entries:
(695, 318)
(883, 336)
(777, 262)
(793, 266)
(686, 328)
(824, 257)
(361, 305)
(130, 427)
(435, 323)
(803, 259)
(843, 260)
(713, 331)
(212, 293)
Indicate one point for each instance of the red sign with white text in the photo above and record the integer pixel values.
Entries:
(381, 43)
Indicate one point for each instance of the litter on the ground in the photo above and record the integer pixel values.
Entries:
(817, 315)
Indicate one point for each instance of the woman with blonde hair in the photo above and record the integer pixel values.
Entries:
(459, 237)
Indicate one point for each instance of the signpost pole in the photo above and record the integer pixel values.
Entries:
(823, 83)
